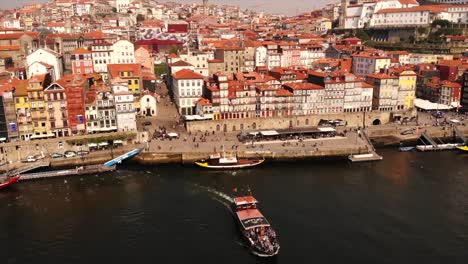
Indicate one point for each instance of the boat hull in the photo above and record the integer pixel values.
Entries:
(239, 165)
(9, 182)
(249, 243)
(463, 148)
(406, 149)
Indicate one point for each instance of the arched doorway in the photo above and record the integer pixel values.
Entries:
(254, 126)
(225, 128)
(376, 122)
(218, 127)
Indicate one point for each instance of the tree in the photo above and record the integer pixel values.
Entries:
(140, 18)
(441, 23)
(114, 10)
(173, 50)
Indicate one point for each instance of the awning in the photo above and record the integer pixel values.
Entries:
(326, 129)
(103, 144)
(118, 142)
(172, 134)
(2, 139)
(92, 145)
(269, 133)
(38, 136)
(253, 133)
(427, 105)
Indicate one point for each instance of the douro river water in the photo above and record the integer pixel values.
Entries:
(408, 208)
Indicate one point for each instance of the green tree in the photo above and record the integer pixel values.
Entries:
(173, 50)
(160, 69)
(114, 10)
(441, 23)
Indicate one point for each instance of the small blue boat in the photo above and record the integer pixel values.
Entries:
(405, 149)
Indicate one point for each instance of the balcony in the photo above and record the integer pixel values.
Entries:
(39, 118)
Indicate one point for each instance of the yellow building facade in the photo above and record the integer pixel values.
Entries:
(23, 111)
(406, 89)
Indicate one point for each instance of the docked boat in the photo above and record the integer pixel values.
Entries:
(463, 148)
(8, 181)
(405, 149)
(216, 161)
(254, 227)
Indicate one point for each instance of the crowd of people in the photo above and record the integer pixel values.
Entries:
(264, 239)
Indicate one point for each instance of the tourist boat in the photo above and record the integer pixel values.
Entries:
(8, 181)
(218, 161)
(405, 149)
(254, 227)
(464, 148)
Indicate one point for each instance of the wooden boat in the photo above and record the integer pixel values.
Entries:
(8, 181)
(217, 161)
(463, 148)
(254, 227)
(405, 149)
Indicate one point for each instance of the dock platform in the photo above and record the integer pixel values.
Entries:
(448, 146)
(70, 172)
(365, 157)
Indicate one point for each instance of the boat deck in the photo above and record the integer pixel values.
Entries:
(365, 157)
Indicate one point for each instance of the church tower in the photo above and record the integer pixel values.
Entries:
(205, 7)
(343, 13)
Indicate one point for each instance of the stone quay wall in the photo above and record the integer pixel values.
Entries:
(248, 124)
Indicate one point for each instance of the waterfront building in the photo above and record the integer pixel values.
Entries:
(23, 110)
(406, 89)
(105, 105)
(91, 115)
(124, 106)
(8, 123)
(464, 92)
(39, 114)
(307, 98)
(55, 98)
(450, 93)
(82, 61)
(187, 89)
(75, 86)
(365, 63)
(385, 93)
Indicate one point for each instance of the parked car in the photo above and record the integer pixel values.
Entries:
(147, 123)
(30, 159)
(70, 154)
(82, 152)
(57, 155)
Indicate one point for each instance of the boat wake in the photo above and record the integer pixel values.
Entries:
(217, 195)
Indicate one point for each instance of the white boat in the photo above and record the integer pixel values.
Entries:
(216, 161)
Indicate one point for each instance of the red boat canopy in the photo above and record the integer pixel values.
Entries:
(245, 200)
(251, 218)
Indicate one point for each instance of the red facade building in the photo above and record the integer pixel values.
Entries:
(75, 87)
(82, 61)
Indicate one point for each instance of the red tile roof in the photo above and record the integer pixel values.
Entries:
(303, 86)
(81, 51)
(186, 74)
(115, 69)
